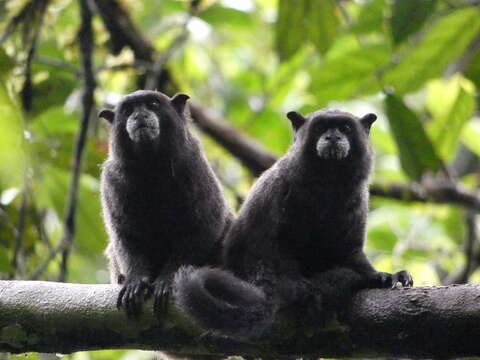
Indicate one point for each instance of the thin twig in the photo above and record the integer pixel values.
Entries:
(159, 65)
(16, 269)
(86, 49)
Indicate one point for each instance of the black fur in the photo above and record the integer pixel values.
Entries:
(300, 233)
(162, 204)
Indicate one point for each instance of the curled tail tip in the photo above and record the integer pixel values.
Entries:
(217, 300)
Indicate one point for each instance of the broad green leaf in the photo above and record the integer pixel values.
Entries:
(298, 21)
(452, 103)
(417, 154)
(322, 23)
(473, 70)
(350, 74)
(290, 27)
(218, 15)
(52, 192)
(370, 18)
(408, 17)
(442, 43)
(5, 266)
(6, 63)
(12, 156)
(55, 121)
(471, 136)
(52, 91)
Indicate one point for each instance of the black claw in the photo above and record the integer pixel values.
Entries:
(132, 295)
(121, 294)
(162, 294)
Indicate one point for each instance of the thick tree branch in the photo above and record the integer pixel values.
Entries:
(415, 322)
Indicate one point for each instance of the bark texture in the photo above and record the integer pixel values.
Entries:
(418, 322)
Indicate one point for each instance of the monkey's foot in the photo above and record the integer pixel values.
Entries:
(134, 292)
(386, 280)
(162, 288)
(403, 277)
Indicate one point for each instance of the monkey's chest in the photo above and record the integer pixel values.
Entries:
(318, 232)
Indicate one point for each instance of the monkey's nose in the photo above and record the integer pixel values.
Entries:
(141, 116)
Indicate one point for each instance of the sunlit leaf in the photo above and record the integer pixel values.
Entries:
(452, 103)
(53, 91)
(6, 63)
(471, 136)
(12, 157)
(370, 18)
(350, 74)
(51, 191)
(290, 27)
(416, 151)
(442, 43)
(408, 17)
(218, 15)
(322, 23)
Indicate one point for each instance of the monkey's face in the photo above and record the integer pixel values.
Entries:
(142, 120)
(142, 116)
(331, 140)
(332, 134)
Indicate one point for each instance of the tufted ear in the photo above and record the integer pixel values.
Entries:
(178, 101)
(107, 114)
(296, 119)
(367, 121)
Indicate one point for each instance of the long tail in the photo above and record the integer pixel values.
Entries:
(217, 300)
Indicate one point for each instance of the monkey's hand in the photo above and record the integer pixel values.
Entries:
(386, 280)
(162, 288)
(134, 292)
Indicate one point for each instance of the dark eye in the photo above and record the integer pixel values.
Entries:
(154, 104)
(345, 128)
(127, 109)
(319, 128)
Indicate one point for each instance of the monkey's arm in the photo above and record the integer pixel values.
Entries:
(358, 261)
(136, 277)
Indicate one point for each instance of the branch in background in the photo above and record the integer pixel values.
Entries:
(422, 322)
(156, 75)
(436, 193)
(252, 154)
(248, 151)
(472, 253)
(122, 31)
(86, 50)
(16, 269)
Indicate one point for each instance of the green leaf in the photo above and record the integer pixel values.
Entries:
(217, 15)
(443, 43)
(290, 27)
(297, 21)
(452, 103)
(349, 74)
(408, 16)
(417, 154)
(12, 156)
(52, 91)
(5, 266)
(322, 23)
(370, 17)
(52, 190)
(6, 63)
(470, 136)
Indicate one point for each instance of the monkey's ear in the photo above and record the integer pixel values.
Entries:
(297, 119)
(107, 115)
(178, 101)
(367, 121)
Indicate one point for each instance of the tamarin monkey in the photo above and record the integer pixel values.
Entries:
(162, 204)
(299, 235)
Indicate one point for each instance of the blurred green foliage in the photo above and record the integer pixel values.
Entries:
(414, 63)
